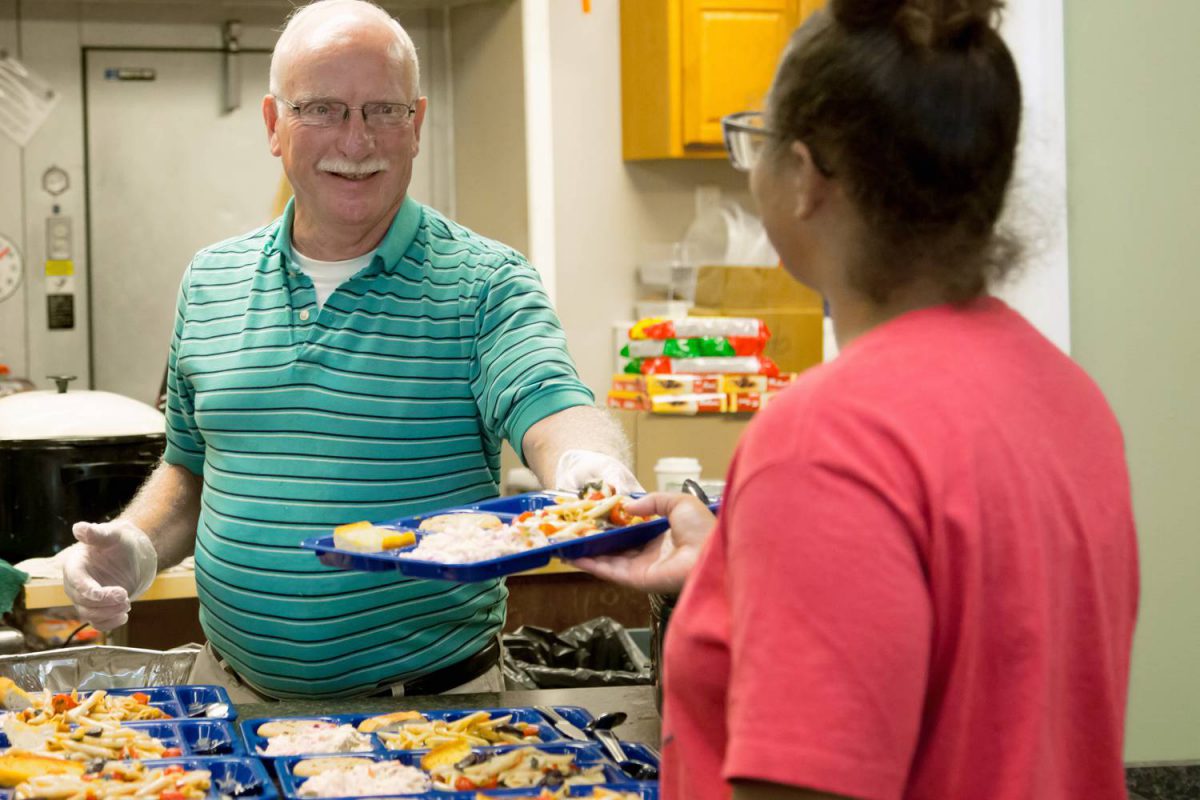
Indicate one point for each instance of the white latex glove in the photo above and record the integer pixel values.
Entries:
(113, 563)
(577, 467)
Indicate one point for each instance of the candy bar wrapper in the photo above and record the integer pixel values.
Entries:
(690, 404)
(750, 365)
(697, 327)
(630, 401)
(749, 402)
(626, 382)
(733, 384)
(682, 384)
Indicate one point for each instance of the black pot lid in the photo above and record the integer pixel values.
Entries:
(75, 415)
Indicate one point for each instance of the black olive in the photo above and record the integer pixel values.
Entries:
(470, 759)
(515, 731)
(93, 732)
(95, 765)
(551, 779)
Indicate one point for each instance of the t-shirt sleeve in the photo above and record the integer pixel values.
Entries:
(522, 372)
(185, 444)
(830, 621)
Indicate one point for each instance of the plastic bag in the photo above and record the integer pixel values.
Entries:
(598, 652)
(693, 327)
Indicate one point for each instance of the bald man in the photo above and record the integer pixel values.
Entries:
(361, 357)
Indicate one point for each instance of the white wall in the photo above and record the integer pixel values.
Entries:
(604, 209)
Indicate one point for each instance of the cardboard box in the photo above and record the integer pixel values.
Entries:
(682, 384)
(795, 343)
(769, 288)
(710, 438)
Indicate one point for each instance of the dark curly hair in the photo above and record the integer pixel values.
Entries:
(915, 105)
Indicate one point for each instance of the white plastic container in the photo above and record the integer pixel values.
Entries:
(672, 472)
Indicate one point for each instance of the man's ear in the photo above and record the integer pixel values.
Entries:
(808, 184)
(270, 111)
(418, 121)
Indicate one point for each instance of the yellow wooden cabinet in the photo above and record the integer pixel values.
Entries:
(687, 63)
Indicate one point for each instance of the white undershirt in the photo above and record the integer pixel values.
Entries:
(327, 276)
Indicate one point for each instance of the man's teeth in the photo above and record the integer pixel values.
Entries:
(353, 176)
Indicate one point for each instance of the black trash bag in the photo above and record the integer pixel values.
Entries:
(598, 652)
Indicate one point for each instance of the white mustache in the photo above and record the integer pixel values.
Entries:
(347, 167)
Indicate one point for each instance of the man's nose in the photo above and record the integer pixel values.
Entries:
(354, 137)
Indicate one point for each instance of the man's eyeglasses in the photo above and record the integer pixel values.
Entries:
(329, 113)
(746, 137)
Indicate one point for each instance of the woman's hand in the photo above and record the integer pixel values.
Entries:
(662, 565)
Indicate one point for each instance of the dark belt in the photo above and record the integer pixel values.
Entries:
(451, 675)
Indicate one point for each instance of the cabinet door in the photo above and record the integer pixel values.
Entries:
(730, 51)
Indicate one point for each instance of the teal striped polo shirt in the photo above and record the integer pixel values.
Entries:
(390, 400)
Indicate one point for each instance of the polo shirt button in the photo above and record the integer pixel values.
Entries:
(304, 315)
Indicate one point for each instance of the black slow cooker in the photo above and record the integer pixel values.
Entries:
(67, 456)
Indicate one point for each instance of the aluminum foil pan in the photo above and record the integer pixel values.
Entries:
(91, 668)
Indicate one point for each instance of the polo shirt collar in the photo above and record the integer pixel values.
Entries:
(395, 243)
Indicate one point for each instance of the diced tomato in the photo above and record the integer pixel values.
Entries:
(596, 496)
(529, 730)
(548, 529)
(524, 516)
(491, 783)
(141, 697)
(173, 752)
(619, 517)
(171, 794)
(462, 783)
(62, 702)
(174, 769)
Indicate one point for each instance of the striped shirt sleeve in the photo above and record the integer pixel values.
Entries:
(522, 372)
(185, 443)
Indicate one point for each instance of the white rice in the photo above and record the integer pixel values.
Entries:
(379, 778)
(342, 739)
(468, 545)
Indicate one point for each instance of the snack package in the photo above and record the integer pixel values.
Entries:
(749, 402)
(750, 365)
(626, 382)
(732, 384)
(702, 347)
(699, 327)
(682, 384)
(630, 401)
(690, 404)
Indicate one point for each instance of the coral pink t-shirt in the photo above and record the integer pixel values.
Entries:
(923, 582)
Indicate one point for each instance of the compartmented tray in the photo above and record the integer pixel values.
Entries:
(194, 737)
(586, 755)
(255, 743)
(506, 508)
(231, 777)
(176, 701)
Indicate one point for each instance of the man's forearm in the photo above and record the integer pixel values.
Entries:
(167, 508)
(578, 428)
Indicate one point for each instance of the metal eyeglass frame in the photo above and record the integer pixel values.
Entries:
(733, 125)
(411, 109)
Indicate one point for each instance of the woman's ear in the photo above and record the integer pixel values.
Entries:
(809, 185)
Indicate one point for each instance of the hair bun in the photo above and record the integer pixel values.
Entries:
(928, 24)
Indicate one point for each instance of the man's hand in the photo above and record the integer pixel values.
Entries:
(664, 564)
(577, 467)
(113, 563)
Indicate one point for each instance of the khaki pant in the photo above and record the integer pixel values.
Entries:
(209, 668)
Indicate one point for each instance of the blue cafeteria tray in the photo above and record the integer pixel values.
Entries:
(227, 774)
(254, 742)
(586, 755)
(175, 700)
(506, 508)
(195, 737)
